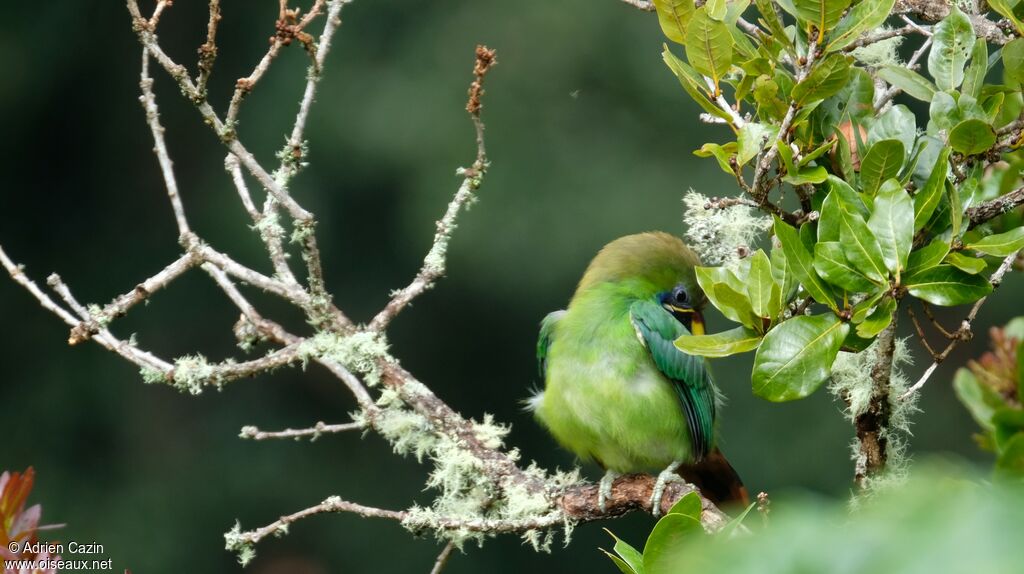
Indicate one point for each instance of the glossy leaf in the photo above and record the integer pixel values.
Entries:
(913, 84)
(860, 245)
(952, 40)
(693, 83)
(864, 16)
(831, 264)
(1006, 9)
(802, 263)
(947, 286)
(666, 549)
(629, 556)
(897, 123)
(966, 263)
(764, 294)
(928, 256)
(974, 78)
(752, 139)
(722, 154)
(825, 80)
(796, 357)
(892, 222)
(708, 45)
(878, 319)
(928, 198)
(1013, 61)
(823, 14)
(782, 273)
(883, 161)
(972, 136)
(731, 342)
(673, 16)
(689, 505)
(1000, 244)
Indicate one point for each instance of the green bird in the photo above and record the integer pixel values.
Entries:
(616, 389)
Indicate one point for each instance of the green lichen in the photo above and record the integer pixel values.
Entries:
(360, 352)
(721, 236)
(238, 544)
(881, 53)
(852, 383)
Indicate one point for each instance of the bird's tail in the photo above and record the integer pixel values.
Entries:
(716, 479)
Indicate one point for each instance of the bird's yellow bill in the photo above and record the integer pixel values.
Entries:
(696, 318)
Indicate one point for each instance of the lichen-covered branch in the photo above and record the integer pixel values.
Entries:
(872, 424)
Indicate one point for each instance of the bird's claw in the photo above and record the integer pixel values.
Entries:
(604, 491)
(666, 476)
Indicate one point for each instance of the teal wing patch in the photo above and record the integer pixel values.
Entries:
(547, 328)
(688, 374)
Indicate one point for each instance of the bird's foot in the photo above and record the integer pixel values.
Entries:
(666, 476)
(604, 491)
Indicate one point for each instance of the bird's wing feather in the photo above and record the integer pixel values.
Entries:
(659, 329)
(547, 331)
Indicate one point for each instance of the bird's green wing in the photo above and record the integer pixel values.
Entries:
(547, 328)
(658, 329)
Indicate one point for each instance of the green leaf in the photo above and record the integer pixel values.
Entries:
(722, 153)
(623, 567)
(674, 15)
(802, 263)
(796, 357)
(824, 14)
(980, 400)
(861, 310)
(883, 161)
(1013, 61)
(1000, 244)
(816, 174)
(1006, 9)
(1020, 370)
(1011, 457)
(708, 45)
(825, 80)
(716, 9)
(724, 290)
(878, 319)
(860, 245)
(972, 136)
(782, 273)
(892, 222)
(952, 40)
(913, 84)
(898, 123)
(666, 548)
(866, 15)
(830, 212)
(947, 286)
(752, 139)
(974, 79)
(928, 256)
(630, 556)
(735, 523)
(724, 344)
(967, 264)
(688, 505)
(764, 294)
(927, 199)
(831, 263)
(956, 209)
(693, 83)
(774, 23)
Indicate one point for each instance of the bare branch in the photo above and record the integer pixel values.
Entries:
(434, 263)
(166, 166)
(964, 332)
(316, 431)
(442, 558)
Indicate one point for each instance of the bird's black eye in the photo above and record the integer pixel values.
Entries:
(679, 296)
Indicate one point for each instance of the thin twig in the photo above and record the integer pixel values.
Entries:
(964, 332)
(166, 166)
(314, 432)
(434, 263)
(442, 558)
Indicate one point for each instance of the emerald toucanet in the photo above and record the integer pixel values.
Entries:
(616, 389)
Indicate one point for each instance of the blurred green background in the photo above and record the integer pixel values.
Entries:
(590, 138)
